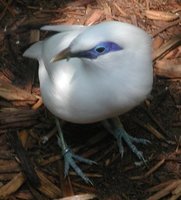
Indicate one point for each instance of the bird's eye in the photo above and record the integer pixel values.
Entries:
(100, 49)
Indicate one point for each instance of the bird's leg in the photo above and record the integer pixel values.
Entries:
(69, 156)
(115, 127)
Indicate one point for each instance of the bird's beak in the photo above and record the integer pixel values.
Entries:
(65, 54)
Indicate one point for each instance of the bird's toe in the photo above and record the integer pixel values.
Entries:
(121, 135)
(69, 159)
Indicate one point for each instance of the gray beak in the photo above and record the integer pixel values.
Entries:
(65, 54)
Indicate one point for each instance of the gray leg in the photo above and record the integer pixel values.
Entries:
(69, 156)
(115, 127)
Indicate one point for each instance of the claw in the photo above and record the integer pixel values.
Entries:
(121, 148)
(69, 156)
(121, 134)
(85, 160)
(140, 140)
(69, 162)
(115, 127)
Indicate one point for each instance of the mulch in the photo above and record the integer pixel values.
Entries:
(31, 165)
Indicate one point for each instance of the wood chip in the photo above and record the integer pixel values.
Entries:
(9, 166)
(12, 186)
(38, 104)
(168, 68)
(161, 15)
(157, 42)
(65, 183)
(34, 36)
(94, 17)
(155, 132)
(7, 176)
(168, 25)
(47, 187)
(24, 195)
(178, 189)
(10, 92)
(165, 191)
(155, 168)
(120, 10)
(18, 118)
(176, 193)
(151, 171)
(169, 45)
(79, 197)
(107, 9)
(160, 186)
(23, 136)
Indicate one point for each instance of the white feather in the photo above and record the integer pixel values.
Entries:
(84, 90)
(62, 28)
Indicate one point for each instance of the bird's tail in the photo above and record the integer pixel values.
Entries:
(34, 51)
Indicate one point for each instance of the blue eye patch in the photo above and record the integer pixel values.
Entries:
(100, 49)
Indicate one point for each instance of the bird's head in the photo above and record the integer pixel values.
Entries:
(107, 42)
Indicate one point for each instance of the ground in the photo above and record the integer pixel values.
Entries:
(31, 167)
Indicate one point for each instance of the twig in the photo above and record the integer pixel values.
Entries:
(165, 27)
(165, 191)
(6, 8)
(151, 129)
(65, 183)
(168, 46)
(155, 121)
(153, 169)
(25, 162)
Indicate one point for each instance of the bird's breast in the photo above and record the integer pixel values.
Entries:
(73, 94)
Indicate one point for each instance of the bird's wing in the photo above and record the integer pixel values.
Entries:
(35, 51)
(62, 28)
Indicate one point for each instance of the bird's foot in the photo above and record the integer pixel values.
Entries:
(70, 157)
(69, 160)
(120, 134)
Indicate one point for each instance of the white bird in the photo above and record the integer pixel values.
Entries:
(93, 73)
